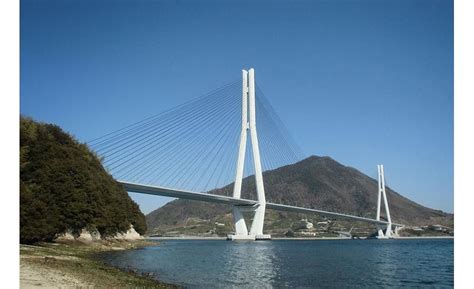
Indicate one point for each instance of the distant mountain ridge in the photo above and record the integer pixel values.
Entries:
(315, 182)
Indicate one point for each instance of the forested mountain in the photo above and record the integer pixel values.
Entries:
(315, 182)
(63, 187)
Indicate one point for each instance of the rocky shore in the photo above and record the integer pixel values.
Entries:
(74, 264)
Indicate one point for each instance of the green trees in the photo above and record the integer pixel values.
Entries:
(63, 186)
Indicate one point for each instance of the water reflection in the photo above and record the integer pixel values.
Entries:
(251, 264)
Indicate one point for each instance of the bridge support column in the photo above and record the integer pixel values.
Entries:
(239, 221)
(249, 125)
(382, 193)
(396, 230)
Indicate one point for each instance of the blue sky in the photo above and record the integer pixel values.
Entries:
(364, 82)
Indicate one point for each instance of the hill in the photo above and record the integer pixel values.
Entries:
(315, 182)
(64, 188)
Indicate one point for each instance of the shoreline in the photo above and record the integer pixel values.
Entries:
(197, 238)
(424, 237)
(75, 264)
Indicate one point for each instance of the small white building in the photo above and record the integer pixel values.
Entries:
(303, 224)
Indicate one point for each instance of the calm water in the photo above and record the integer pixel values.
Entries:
(295, 264)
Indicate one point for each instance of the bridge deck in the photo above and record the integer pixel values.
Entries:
(288, 208)
(181, 194)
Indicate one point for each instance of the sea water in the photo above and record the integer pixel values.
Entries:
(294, 263)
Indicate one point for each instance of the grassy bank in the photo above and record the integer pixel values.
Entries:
(52, 265)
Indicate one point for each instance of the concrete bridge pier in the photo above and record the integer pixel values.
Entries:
(388, 232)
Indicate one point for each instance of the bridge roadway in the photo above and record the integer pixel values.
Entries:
(181, 194)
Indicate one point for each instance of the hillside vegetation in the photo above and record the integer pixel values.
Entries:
(63, 187)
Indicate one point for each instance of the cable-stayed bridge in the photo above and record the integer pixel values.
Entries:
(212, 142)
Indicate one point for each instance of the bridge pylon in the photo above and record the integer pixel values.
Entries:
(384, 232)
(249, 126)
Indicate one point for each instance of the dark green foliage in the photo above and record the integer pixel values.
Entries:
(63, 186)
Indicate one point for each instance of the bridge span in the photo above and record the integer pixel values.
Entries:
(212, 198)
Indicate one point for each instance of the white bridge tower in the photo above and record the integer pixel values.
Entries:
(249, 126)
(381, 193)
